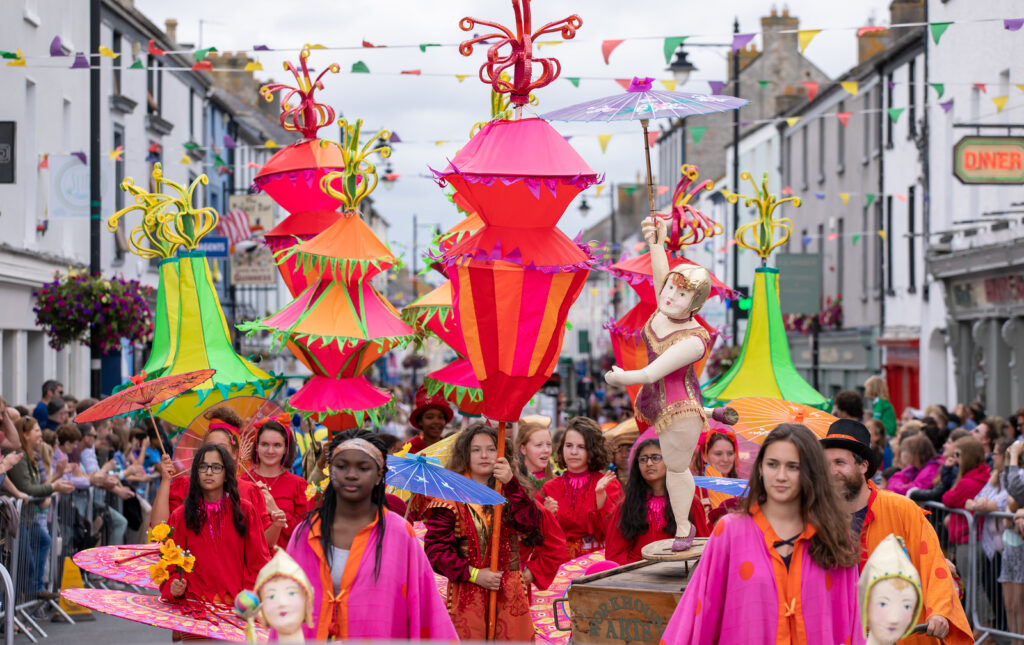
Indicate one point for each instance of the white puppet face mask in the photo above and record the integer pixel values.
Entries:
(892, 606)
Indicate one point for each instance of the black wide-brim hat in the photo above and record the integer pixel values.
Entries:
(853, 436)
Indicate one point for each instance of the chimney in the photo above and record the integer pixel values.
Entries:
(171, 29)
(904, 11)
(772, 24)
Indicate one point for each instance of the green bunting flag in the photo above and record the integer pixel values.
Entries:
(137, 64)
(855, 238)
(629, 190)
(938, 28)
(359, 67)
(190, 145)
(575, 80)
(939, 87)
(697, 134)
(10, 55)
(868, 200)
(218, 161)
(670, 46)
(200, 54)
(423, 46)
(763, 84)
(894, 114)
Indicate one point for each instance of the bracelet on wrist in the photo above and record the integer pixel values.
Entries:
(473, 573)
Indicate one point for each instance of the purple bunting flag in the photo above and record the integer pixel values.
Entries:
(739, 41)
(81, 62)
(56, 47)
(81, 157)
(260, 48)
(229, 142)
(947, 105)
(716, 86)
(1013, 24)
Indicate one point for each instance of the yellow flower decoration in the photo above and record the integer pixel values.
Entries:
(171, 552)
(359, 178)
(188, 562)
(158, 573)
(158, 533)
(311, 491)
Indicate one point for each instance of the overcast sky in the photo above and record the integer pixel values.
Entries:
(423, 110)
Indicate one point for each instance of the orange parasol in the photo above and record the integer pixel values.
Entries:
(760, 415)
(250, 408)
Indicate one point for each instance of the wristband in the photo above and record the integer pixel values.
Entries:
(473, 572)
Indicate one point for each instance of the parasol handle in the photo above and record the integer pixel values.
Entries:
(159, 438)
(647, 157)
(492, 597)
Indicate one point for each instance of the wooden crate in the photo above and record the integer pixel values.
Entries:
(629, 604)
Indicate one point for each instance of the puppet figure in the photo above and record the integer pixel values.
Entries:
(890, 593)
(283, 599)
(670, 397)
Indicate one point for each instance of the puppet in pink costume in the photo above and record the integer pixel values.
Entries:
(670, 397)
(741, 571)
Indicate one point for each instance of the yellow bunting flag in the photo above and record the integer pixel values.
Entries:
(107, 52)
(439, 143)
(1020, 86)
(542, 43)
(253, 66)
(115, 154)
(881, 234)
(1000, 102)
(271, 144)
(185, 160)
(17, 62)
(806, 36)
(669, 85)
(791, 121)
(851, 86)
(599, 190)
(845, 197)
(317, 46)
(603, 139)
(462, 77)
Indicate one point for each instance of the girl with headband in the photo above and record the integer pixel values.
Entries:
(272, 453)
(370, 577)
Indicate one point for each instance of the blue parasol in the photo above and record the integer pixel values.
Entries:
(727, 485)
(425, 476)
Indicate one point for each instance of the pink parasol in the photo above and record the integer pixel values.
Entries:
(210, 621)
(128, 564)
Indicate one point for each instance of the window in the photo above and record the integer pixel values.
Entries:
(841, 143)
(803, 157)
(821, 150)
(912, 99)
(867, 128)
(841, 241)
(865, 244)
(821, 240)
(191, 115)
(787, 161)
(803, 241)
(878, 123)
(911, 241)
(120, 242)
(889, 125)
(116, 62)
(154, 86)
(888, 247)
(67, 125)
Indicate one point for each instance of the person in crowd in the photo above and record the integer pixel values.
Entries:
(790, 542)
(921, 465)
(391, 443)
(874, 514)
(908, 429)
(583, 497)
(992, 498)
(1011, 575)
(220, 529)
(644, 515)
(848, 404)
(988, 432)
(68, 436)
(429, 417)
(533, 446)
(947, 472)
(56, 414)
(465, 561)
(1017, 422)
(9, 416)
(972, 475)
(940, 414)
(27, 477)
(371, 579)
(1014, 473)
(718, 455)
(618, 448)
(877, 392)
(544, 550)
(51, 390)
(101, 478)
(272, 453)
(880, 442)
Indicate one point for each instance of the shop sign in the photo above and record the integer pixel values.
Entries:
(989, 160)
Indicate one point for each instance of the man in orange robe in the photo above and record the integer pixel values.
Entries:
(877, 513)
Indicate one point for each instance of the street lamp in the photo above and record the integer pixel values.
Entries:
(584, 207)
(681, 67)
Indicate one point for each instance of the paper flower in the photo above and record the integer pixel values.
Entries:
(158, 573)
(159, 533)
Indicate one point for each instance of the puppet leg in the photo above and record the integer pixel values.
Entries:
(678, 441)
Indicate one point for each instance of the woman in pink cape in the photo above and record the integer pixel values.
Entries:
(370, 577)
(753, 586)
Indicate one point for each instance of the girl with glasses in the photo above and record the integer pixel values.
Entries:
(644, 516)
(220, 529)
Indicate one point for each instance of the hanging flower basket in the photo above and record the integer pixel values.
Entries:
(74, 304)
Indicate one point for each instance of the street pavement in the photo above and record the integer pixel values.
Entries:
(104, 630)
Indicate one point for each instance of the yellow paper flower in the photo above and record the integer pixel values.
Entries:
(158, 573)
(171, 552)
(188, 562)
(158, 533)
(311, 492)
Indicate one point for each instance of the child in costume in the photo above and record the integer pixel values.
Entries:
(533, 447)
(465, 560)
(890, 594)
(272, 453)
(430, 416)
(644, 516)
(216, 526)
(718, 455)
(584, 497)
(670, 397)
(370, 577)
(543, 551)
(784, 570)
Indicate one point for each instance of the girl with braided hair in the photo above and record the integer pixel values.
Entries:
(370, 577)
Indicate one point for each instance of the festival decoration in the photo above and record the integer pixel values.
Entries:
(174, 562)
(250, 409)
(889, 593)
(190, 330)
(127, 564)
(760, 415)
(424, 475)
(764, 367)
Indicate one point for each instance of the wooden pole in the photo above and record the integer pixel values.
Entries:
(159, 438)
(492, 599)
(647, 157)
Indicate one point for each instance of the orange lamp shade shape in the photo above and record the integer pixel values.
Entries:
(292, 176)
(347, 251)
(458, 385)
(297, 228)
(434, 313)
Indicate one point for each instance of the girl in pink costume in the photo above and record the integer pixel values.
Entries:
(786, 563)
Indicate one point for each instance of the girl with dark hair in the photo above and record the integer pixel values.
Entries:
(584, 497)
(811, 569)
(272, 453)
(214, 525)
(370, 578)
(644, 516)
(458, 543)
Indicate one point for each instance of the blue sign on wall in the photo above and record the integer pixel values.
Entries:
(215, 247)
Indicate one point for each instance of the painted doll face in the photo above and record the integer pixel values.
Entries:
(674, 300)
(891, 606)
(722, 456)
(536, 451)
(482, 455)
(284, 604)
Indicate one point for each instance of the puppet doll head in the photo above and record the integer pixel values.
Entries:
(889, 592)
(286, 597)
(686, 289)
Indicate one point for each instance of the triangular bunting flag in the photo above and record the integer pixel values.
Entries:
(462, 77)
(716, 86)
(575, 80)
(599, 189)
(81, 62)
(940, 88)
(107, 52)
(661, 190)
(57, 47)
(359, 67)
(423, 46)
(316, 46)
(937, 29)
(8, 55)
(793, 120)
(229, 142)
(832, 237)
(844, 117)
(947, 106)
(820, 195)
(697, 134)
(981, 86)
(851, 86)
(19, 59)
(739, 41)
(1013, 24)
(607, 47)
(1000, 102)
(253, 66)
(855, 238)
(869, 29)
(203, 65)
(116, 153)
(652, 137)
(153, 50)
(185, 160)
(367, 43)
(881, 234)
(670, 46)
(261, 48)
(671, 85)
(805, 36)
(624, 82)
(411, 72)
(787, 191)
(200, 54)
(812, 89)
(845, 197)
(603, 139)
(1020, 86)
(868, 200)
(763, 84)
(629, 190)
(901, 196)
(45, 161)
(137, 64)
(271, 144)
(894, 113)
